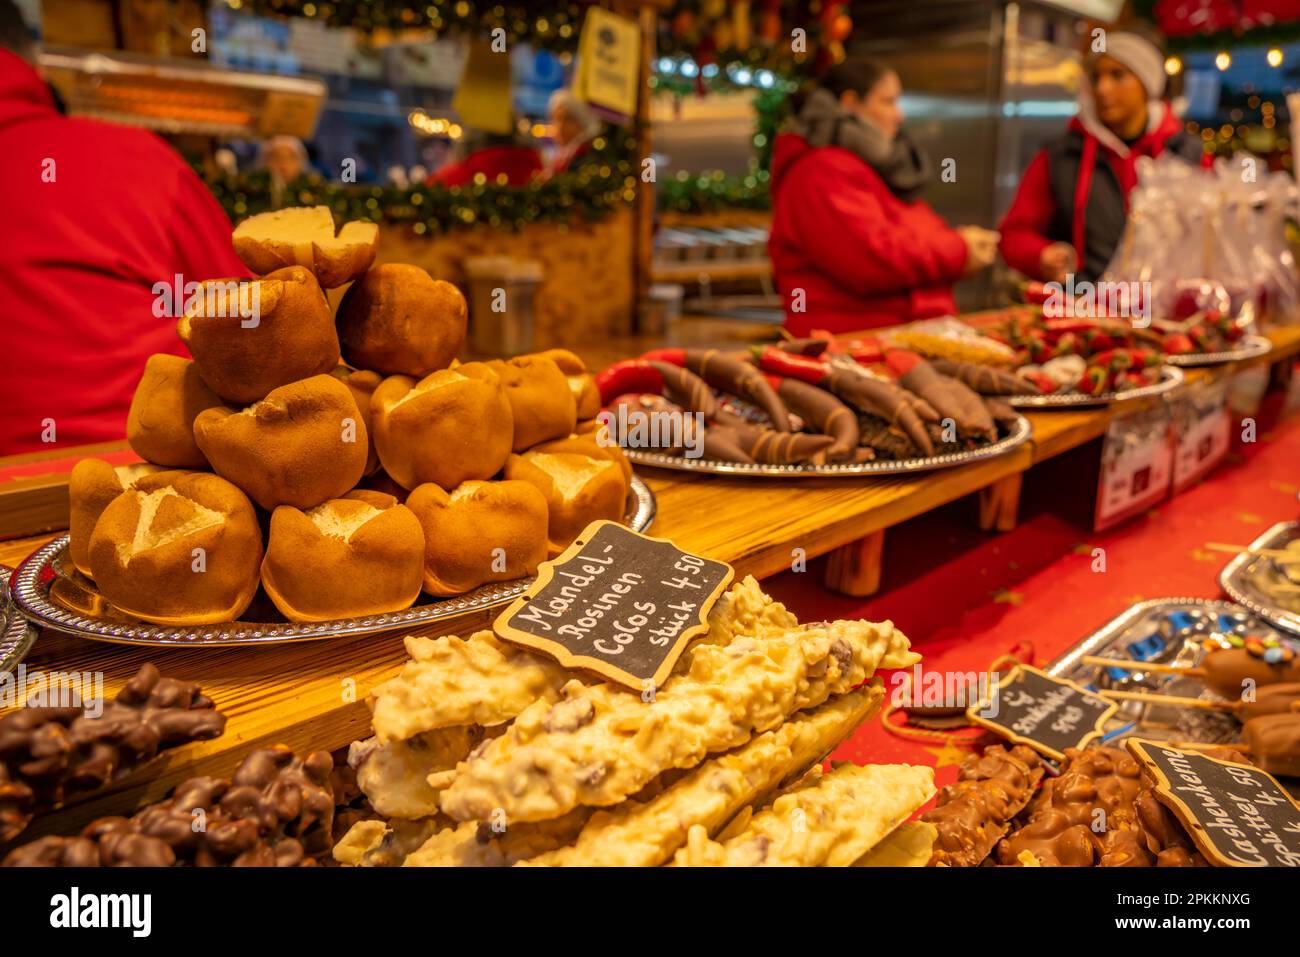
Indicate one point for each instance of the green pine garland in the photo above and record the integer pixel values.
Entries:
(1274, 34)
(604, 181)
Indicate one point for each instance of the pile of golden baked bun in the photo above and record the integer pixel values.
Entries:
(345, 462)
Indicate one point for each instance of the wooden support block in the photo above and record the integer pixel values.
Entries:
(854, 569)
(1000, 503)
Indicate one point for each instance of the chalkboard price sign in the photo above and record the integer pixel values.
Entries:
(618, 603)
(1049, 714)
(1237, 815)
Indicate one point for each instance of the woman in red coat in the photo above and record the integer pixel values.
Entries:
(853, 245)
(494, 155)
(1069, 213)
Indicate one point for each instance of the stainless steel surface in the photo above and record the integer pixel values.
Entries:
(1017, 436)
(1169, 379)
(44, 572)
(1251, 347)
(986, 85)
(16, 635)
(1245, 575)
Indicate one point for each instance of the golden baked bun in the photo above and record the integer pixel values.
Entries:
(304, 236)
(186, 553)
(464, 529)
(578, 488)
(92, 484)
(595, 443)
(160, 425)
(290, 333)
(540, 400)
(362, 384)
(362, 554)
(304, 443)
(399, 320)
(581, 383)
(450, 427)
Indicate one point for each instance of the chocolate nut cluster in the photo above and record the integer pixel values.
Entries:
(277, 810)
(49, 754)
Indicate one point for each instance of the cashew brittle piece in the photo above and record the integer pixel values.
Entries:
(376, 843)
(602, 743)
(454, 681)
(396, 776)
(830, 823)
(746, 610)
(910, 845)
(645, 834)
(476, 844)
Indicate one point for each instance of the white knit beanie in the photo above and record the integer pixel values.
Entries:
(1139, 55)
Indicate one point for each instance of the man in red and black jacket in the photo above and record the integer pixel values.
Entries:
(93, 217)
(1069, 213)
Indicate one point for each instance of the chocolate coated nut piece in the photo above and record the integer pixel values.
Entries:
(47, 754)
(277, 811)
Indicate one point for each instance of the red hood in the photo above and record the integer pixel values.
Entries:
(23, 94)
(788, 150)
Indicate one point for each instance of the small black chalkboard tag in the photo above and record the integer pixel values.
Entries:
(1238, 815)
(618, 603)
(1049, 714)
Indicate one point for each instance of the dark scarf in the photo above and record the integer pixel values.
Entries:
(903, 167)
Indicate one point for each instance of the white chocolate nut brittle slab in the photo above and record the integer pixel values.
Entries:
(476, 844)
(482, 680)
(831, 822)
(454, 681)
(646, 834)
(601, 744)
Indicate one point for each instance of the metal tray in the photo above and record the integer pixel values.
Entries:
(51, 593)
(1250, 347)
(1157, 721)
(1169, 379)
(1015, 437)
(1245, 575)
(16, 634)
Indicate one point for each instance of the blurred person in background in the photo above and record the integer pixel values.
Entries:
(285, 159)
(1069, 213)
(853, 245)
(492, 154)
(92, 216)
(573, 126)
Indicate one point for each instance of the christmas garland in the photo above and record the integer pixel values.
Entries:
(714, 192)
(555, 29)
(603, 182)
(1273, 34)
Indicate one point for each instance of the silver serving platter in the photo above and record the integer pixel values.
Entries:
(1016, 436)
(1151, 719)
(1243, 577)
(47, 576)
(1250, 347)
(1170, 378)
(16, 634)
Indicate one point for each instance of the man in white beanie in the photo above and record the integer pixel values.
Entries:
(1069, 213)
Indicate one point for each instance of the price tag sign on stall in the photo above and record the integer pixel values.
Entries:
(1049, 714)
(1200, 433)
(618, 603)
(1237, 815)
(1136, 465)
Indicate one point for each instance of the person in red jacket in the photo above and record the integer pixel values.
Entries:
(852, 244)
(95, 217)
(1069, 213)
(493, 155)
